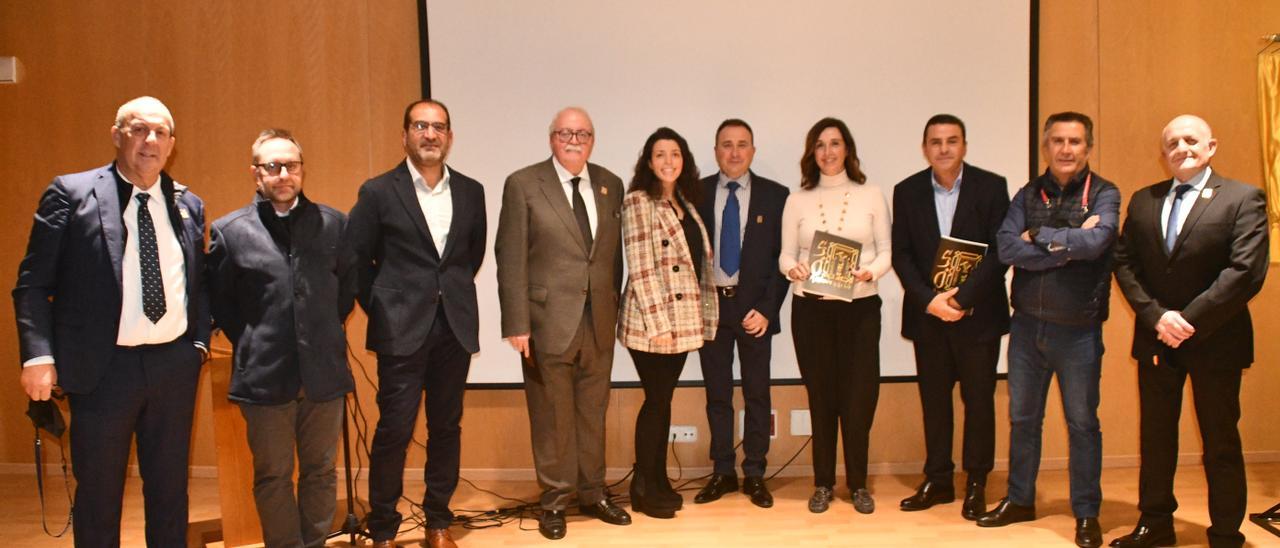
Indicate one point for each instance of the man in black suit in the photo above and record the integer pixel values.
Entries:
(956, 333)
(743, 212)
(1192, 253)
(110, 305)
(281, 286)
(418, 233)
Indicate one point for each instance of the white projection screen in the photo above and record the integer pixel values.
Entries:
(505, 68)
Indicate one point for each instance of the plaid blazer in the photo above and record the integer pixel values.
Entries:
(663, 294)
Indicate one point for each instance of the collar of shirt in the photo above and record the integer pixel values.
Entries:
(1049, 183)
(286, 213)
(744, 181)
(955, 187)
(1197, 183)
(563, 173)
(414, 174)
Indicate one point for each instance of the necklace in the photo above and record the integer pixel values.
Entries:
(822, 213)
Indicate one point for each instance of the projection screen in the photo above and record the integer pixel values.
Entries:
(505, 68)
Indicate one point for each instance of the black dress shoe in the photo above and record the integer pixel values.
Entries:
(718, 486)
(1005, 513)
(1088, 533)
(755, 488)
(608, 512)
(975, 501)
(1143, 537)
(551, 524)
(928, 494)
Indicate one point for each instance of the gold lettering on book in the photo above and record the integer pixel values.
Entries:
(953, 267)
(835, 264)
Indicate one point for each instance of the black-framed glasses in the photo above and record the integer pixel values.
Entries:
(273, 168)
(419, 126)
(566, 135)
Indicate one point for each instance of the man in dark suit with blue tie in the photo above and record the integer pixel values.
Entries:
(1192, 254)
(418, 235)
(111, 306)
(744, 212)
(956, 333)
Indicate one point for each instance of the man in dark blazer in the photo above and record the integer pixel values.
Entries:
(956, 333)
(751, 291)
(111, 306)
(281, 286)
(418, 233)
(1192, 253)
(559, 251)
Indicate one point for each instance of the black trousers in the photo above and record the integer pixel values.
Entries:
(149, 392)
(838, 351)
(717, 373)
(944, 357)
(1215, 390)
(439, 369)
(659, 374)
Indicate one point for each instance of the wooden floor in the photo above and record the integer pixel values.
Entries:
(733, 521)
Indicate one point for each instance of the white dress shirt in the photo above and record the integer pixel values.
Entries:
(722, 197)
(1188, 199)
(584, 188)
(135, 328)
(436, 204)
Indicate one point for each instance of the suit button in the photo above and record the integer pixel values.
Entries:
(675, 268)
(679, 296)
(584, 292)
(665, 243)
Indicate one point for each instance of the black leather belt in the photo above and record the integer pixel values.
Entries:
(729, 291)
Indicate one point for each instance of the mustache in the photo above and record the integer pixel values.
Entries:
(573, 148)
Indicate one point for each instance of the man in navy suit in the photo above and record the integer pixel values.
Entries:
(1192, 254)
(418, 234)
(110, 305)
(956, 333)
(743, 212)
(281, 286)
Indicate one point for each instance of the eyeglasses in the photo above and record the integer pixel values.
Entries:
(273, 168)
(421, 126)
(142, 131)
(567, 135)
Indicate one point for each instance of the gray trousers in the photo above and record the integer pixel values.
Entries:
(274, 432)
(567, 396)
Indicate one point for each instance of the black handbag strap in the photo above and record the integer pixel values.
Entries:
(66, 480)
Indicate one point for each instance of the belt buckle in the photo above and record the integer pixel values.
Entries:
(728, 291)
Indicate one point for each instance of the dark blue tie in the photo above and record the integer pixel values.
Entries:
(1171, 228)
(149, 263)
(730, 232)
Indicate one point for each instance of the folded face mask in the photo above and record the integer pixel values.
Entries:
(46, 416)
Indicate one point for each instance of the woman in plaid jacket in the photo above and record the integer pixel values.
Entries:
(669, 305)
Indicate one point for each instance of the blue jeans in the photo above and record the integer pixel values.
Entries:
(1037, 351)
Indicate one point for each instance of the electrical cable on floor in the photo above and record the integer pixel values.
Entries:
(522, 509)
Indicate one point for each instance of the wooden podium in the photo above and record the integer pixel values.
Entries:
(239, 524)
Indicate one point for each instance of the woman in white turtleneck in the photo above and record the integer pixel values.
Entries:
(837, 342)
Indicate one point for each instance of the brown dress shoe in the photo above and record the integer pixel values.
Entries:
(390, 543)
(440, 538)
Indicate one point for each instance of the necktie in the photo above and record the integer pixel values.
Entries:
(730, 232)
(1171, 228)
(580, 212)
(149, 263)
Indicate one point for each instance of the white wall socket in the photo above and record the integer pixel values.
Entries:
(683, 434)
(10, 70)
(800, 424)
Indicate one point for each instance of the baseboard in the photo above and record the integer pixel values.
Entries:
(795, 470)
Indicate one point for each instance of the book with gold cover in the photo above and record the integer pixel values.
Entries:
(955, 260)
(832, 260)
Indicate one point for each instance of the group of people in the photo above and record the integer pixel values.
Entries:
(116, 308)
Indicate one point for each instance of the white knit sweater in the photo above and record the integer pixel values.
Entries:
(866, 220)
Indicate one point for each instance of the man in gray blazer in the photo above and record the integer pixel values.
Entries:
(559, 258)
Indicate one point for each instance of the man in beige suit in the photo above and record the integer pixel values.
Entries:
(559, 255)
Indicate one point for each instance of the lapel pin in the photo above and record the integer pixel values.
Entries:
(604, 191)
(759, 219)
(182, 211)
(1208, 193)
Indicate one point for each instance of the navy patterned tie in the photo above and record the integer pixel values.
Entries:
(731, 232)
(1171, 228)
(149, 263)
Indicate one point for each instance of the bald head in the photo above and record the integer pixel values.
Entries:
(572, 137)
(1188, 145)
